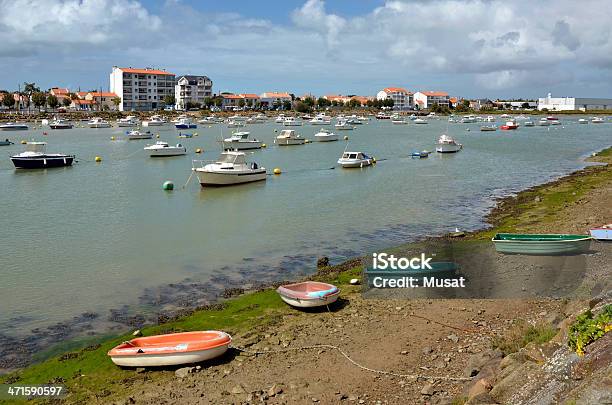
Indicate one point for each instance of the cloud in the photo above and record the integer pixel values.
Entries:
(562, 35)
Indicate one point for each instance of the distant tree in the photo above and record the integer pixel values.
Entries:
(169, 100)
(286, 105)
(66, 102)
(302, 107)
(435, 108)
(30, 88)
(116, 101)
(8, 100)
(525, 105)
(73, 96)
(323, 102)
(388, 102)
(353, 103)
(39, 99)
(208, 102)
(241, 103)
(309, 101)
(52, 101)
(218, 101)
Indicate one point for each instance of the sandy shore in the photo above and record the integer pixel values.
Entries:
(429, 344)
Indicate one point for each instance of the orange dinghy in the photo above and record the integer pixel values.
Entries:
(170, 350)
(308, 294)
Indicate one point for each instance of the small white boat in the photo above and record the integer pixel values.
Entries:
(490, 118)
(240, 141)
(488, 128)
(129, 121)
(399, 121)
(185, 123)
(231, 168)
(355, 159)
(583, 121)
(139, 135)
(543, 122)
(179, 118)
(280, 119)
(446, 144)
(602, 233)
(529, 123)
(171, 349)
(59, 123)
(235, 124)
(13, 126)
(308, 294)
(289, 137)
(555, 122)
(343, 125)
(208, 120)
(161, 149)
(292, 122)
(154, 121)
(98, 122)
(325, 135)
(320, 120)
(420, 121)
(504, 116)
(597, 120)
(468, 119)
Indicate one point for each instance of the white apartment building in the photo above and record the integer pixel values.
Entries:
(573, 103)
(425, 99)
(141, 89)
(402, 98)
(192, 89)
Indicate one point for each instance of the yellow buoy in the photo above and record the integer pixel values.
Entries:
(277, 170)
(373, 160)
(198, 150)
(195, 134)
(276, 130)
(307, 141)
(263, 145)
(157, 136)
(98, 159)
(112, 138)
(210, 126)
(24, 142)
(346, 137)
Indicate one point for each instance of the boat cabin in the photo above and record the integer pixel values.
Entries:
(353, 155)
(36, 147)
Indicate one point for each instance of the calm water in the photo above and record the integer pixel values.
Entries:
(95, 236)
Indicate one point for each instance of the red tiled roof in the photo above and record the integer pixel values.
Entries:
(59, 90)
(275, 95)
(249, 95)
(102, 94)
(77, 101)
(453, 99)
(395, 90)
(147, 71)
(231, 96)
(435, 93)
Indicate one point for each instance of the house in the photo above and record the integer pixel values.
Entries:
(192, 89)
(230, 101)
(59, 91)
(83, 105)
(103, 100)
(339, 99)
(453, 101)
(22, 101)
(482, 103)
(250, 100)
(402, 98)
(425, 99)
(274, 99)
(141, 89)
(361, 99)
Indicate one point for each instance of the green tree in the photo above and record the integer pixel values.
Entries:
(66, 102)
(169, 99)
(8, 100)
(388, 102)
(286, 105)
(302, 107)
(52, 101)
(241, 103)
(323, 102)
(30, 88)
(353, 103)
(116, 101)
(39, 99)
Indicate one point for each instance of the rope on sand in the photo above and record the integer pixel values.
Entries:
(361, 366)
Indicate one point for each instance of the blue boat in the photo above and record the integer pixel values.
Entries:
(420, 155)
(185, 123)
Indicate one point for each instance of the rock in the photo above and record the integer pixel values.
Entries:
(404, 352)
(427, 350)
(140, 370)
(274, 390)
(182, 372)
(323, 262)
(238, 389)
(537, 199)
(482, 386)
(355, 281)
(478, 360)
(453, 338)
(428, 389)
(353, 397)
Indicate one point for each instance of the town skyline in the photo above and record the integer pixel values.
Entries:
(470, 49)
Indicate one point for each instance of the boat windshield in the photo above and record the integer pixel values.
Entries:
(231, 158)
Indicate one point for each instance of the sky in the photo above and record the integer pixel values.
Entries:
(470, 48)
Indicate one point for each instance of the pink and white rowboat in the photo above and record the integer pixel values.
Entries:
(602, 233)
(170, 350)
(308, 294)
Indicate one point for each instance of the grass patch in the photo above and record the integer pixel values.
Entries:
(521, 334)
(587, 328)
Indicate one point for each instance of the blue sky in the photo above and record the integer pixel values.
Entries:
(470, 48)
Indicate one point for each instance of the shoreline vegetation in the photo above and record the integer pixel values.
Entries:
(90, 376)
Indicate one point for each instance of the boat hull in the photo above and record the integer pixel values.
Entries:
(167, 153)
(42, 163)
(127, 124)
(289, 142)
(152, 124)
(326, 138)
(60, 126)
(308, 294)
(208, 179)
(15, 128)
(541, 245)
(186, 126)
(310, 303)
(355, 164)
(448, 148)
(601, 233)
(241, 145)
(157, 360)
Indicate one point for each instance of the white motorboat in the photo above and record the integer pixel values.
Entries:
(154, 121)
(343, 125)
(179, 118)
(260, 118)
(235, 124)
(355, 159)
(161, 149)
(529, 123)
(399, 121)
(185, 123)
(208, 120)
(292, 122)
(543, 122)
(325, 135)
(583, 121)
(139, 135)
(13, 126)
(280, 119)
(36, 157)
(240, 141)
(231, 168)
(98, 122)
(420, 121)
(320, 120)
(504, 116)
(289, 137)
(59, 123)
(446, 144)
(555, 122)
(129, 121)
(490, 118)
(597, 120)
(468, 119)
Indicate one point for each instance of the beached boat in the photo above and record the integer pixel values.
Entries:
(602, 233)
(36, 157)
(6, 142)
(98, 122)
(355, 159)
(59, 123)
(446, 144)
(240, 141)
(509, 125)
(162, 149)
(289, 137)
(308, 294)
(154, 121)
(541, 244)
(13, 126)
(325, 135)
(229, 169)
(139, 135)
(185, 123)
(129, 121)
(171, 349)
(486, 128)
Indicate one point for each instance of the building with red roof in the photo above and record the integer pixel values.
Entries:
(426, 99)
(402, 98)
(141, 89)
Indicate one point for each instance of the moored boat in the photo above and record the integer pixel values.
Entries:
(509, 125)
(308, 294)
(185, 123)
(59, 123)
(583, 121)
(355, 159)
(529, 123)
(541, 244)
(13, 126)
(98, 122)
(597, 120)
(154, 121)
(602, 233)
(162, 149)
(229, 169)
(6, 142)
(446, 144)
(36, 157)
(241, 141)
(129, 121)
(292, 122)
(486, 128)
(420, 121)
(289, 137)
(171, 349)
(325, 135)
(139, 135)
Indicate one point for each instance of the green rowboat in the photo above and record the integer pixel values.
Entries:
(541, 244)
